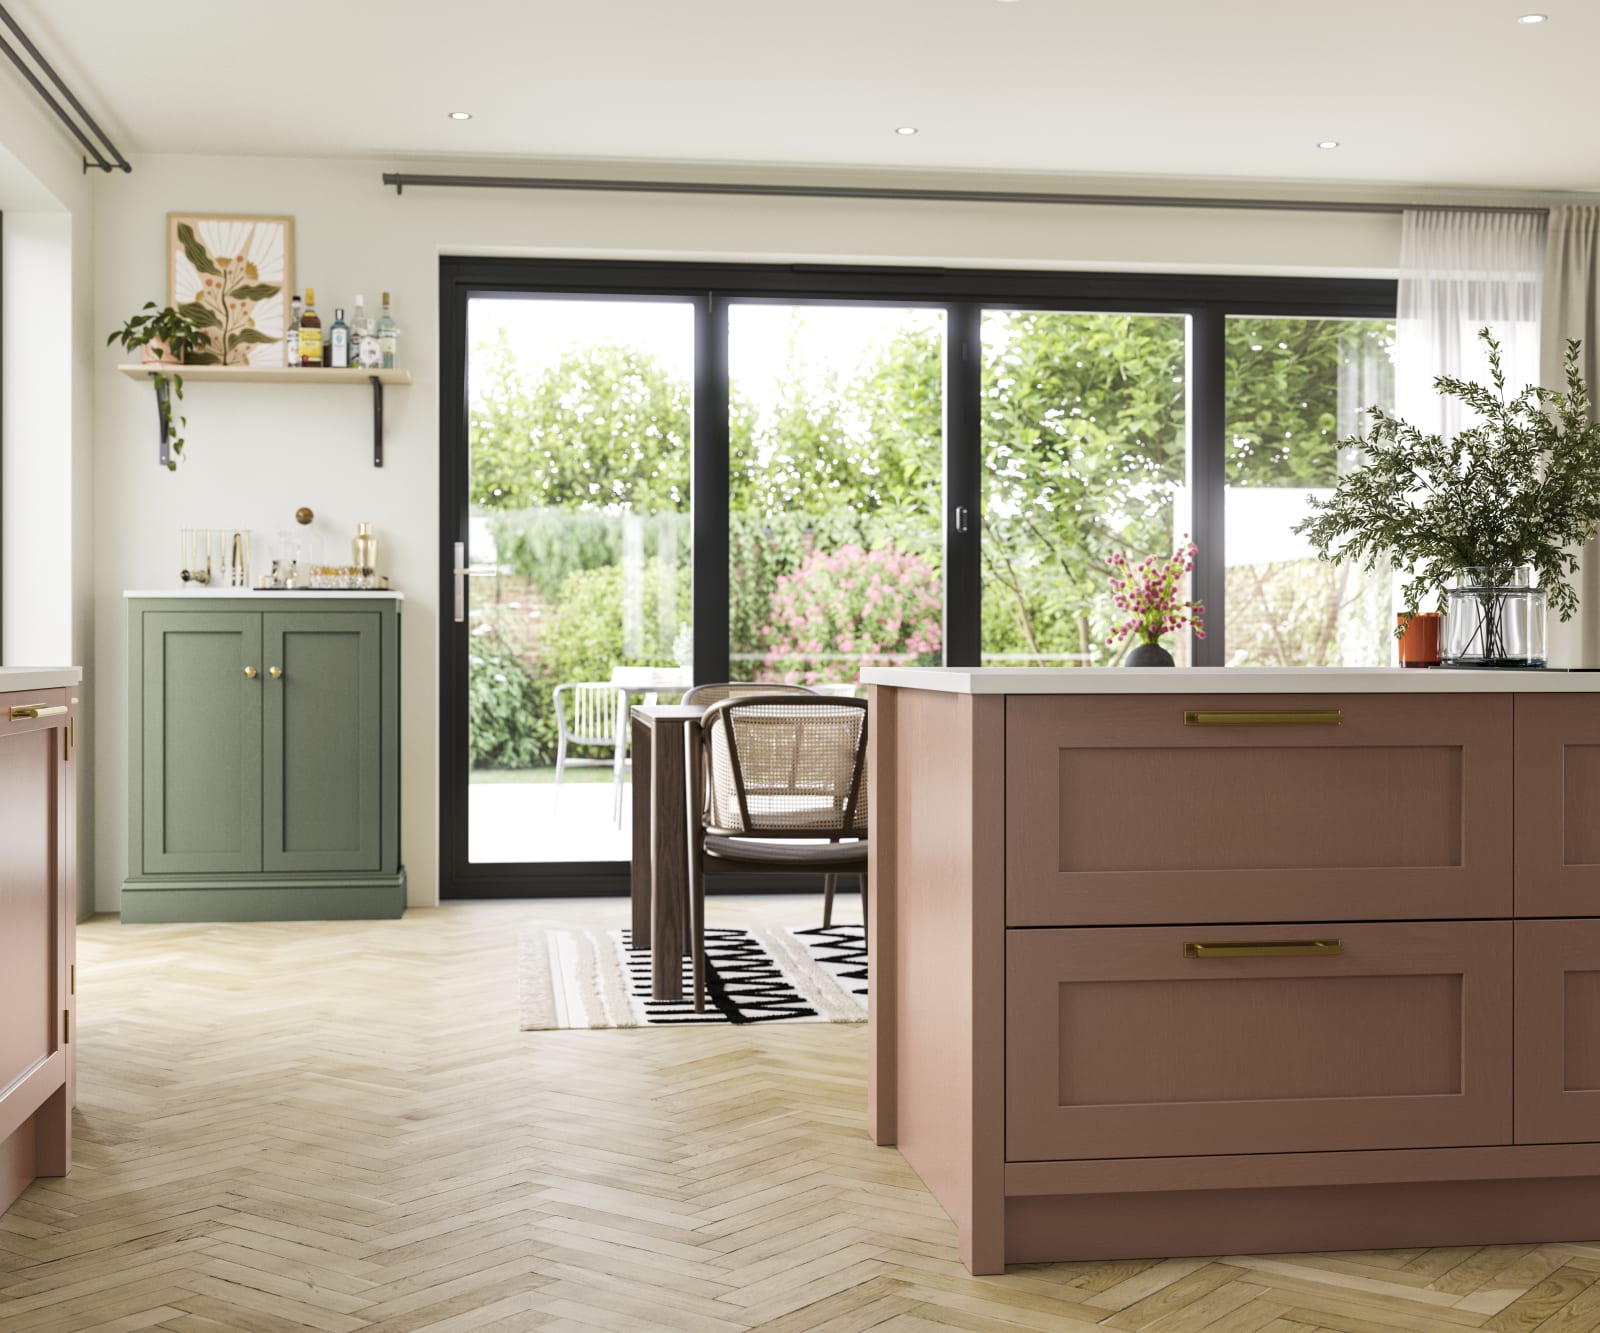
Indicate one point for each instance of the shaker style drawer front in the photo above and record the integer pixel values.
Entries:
(1193, 1041)
(1133, 809)
(1558, 1031)
(1558, 805)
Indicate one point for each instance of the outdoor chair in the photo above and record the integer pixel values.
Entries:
(593, 713)
(784, 784)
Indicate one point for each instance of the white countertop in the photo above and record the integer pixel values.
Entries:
(266, 595)
(1228, 680)
(38, 678)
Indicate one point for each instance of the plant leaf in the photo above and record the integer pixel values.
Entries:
(196, 252)
(258, 291)
(251, 336)
(199, 314)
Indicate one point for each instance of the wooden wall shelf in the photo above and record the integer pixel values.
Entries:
(284, 375)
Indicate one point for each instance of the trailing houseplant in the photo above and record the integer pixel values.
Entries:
(163, 338)
(1498, 508)
(1150, 596)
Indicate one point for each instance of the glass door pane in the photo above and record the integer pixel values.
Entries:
(1084, 455)
(836, 467)
(579, 604)
(1296, 388)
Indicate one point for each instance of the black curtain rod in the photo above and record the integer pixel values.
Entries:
(401, 179)
(119, 162)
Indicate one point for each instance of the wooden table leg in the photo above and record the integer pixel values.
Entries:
(669, 861)
(639, 870)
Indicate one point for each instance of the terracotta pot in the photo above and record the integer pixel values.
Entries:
(157, 353)
(1148, 655)
(1419, 643)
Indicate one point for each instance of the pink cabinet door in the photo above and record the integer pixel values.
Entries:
(1119, 1043)
(1558, 805)
(1125, 809)
(1558, 1031)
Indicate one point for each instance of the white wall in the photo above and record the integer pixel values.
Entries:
(259, 452)
(46, 405)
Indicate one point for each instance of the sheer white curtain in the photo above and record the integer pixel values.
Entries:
(1460, 271)
(1572, 310)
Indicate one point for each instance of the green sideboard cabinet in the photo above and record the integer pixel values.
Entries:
(264, 774)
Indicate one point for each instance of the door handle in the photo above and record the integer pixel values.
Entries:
(250, 673)
(1281, 717)
(23, 712)
(275, 672)
(462, 571)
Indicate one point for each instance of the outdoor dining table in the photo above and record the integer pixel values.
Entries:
(660, 867)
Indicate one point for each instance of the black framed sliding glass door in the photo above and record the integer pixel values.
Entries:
(659, 474)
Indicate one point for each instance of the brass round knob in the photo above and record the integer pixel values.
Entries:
(303, 516)
(250, 672)
(275, 672)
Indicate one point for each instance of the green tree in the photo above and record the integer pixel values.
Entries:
(606, 428)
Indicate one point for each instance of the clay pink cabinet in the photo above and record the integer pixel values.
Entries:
(1162, 972)
(1558, 1031)
(1558, 806)
(1365, 803)
(38, 908)
(1144, 1043)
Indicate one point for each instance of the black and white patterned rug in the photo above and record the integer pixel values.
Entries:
(593, 978)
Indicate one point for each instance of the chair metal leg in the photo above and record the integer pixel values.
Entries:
(866, 915)
(829, 883)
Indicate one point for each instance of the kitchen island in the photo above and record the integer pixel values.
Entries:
(38, 915)
(1207, 961)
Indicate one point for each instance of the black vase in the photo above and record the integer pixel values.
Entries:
(1148, 655)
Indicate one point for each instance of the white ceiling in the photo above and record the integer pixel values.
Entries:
(1418, 92)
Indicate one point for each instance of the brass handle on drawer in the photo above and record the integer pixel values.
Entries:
(1262, 948)
(1325, 717)
(24, 711)
(275, 672)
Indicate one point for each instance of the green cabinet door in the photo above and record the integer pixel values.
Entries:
(201, 747)
(322, 807)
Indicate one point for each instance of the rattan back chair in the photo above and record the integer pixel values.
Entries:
(784, 783)
(706, 695)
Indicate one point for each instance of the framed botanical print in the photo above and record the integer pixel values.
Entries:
(233, 277)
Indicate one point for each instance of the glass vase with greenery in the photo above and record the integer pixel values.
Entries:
(1496, 510)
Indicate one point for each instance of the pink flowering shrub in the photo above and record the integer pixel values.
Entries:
(851, 608)
(1148, 594)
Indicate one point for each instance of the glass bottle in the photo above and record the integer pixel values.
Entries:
(310, 331)
(339, 341)
(364, 553)
(291, 337)
(388, 337)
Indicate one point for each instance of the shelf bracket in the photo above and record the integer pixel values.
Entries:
(163, 389)
(377, 421)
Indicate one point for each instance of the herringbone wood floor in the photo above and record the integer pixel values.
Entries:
(338, 1127)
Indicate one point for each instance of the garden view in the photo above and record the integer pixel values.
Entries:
(581, 493)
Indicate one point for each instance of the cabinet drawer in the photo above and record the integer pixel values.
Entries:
(1558, 1031)
(1120, 1045)
(1558, 805)
(1130, 809)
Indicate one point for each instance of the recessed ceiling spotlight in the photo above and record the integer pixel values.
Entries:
(461, 115)
(906, 129)
(1328, 143)
(1534, 18)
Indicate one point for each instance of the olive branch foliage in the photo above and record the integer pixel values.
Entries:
(1521, 486)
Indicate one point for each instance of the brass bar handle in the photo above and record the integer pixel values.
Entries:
(24, 712)
(1283, 717)
(1262, 948)
(276, 673)
(250, 673)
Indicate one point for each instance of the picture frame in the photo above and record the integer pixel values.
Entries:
(234, 275)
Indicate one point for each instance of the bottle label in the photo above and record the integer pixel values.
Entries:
(371, 353)
(310, 346)
(389, 346)
(341, 349)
